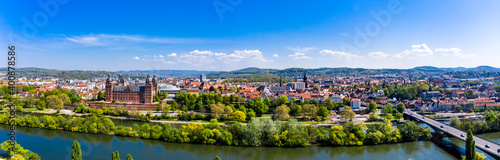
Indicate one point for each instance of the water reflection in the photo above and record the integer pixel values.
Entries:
(50, 143)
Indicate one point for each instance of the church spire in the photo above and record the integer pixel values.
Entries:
(305, 78)
(281, 82)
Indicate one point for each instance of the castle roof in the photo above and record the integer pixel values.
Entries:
(117, 88)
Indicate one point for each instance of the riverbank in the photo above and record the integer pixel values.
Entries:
(259, 132)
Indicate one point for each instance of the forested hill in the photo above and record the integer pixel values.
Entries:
(248, 73)
(182, 73)
(297, 72)
(61, 74)
(344, 71)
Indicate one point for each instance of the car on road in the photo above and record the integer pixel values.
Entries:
(442, 127)
(487, 146)
(462, 135)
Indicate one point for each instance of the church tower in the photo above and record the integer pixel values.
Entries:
(305, 79)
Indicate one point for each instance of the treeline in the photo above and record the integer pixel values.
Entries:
(54, 99)
(61, 74)
(410, 91)
(258, 132)
(226, 105)
(202, 102)
(260, 77)
(17, 152)
(491, 123)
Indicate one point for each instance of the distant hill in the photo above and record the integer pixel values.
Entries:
(250, 70)
(457, 69)
(429, 69)
(182, 73)
(61, 74)
(259, 72)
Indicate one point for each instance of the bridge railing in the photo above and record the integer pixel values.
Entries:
(461, 130)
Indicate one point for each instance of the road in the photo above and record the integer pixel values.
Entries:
(481, 143)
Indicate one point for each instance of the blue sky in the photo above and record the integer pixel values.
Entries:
(234, 34)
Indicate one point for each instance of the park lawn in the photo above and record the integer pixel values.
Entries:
(29, 109)
(198, 121)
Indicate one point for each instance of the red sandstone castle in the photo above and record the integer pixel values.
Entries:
(138, 93)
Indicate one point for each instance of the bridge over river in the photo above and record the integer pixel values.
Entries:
(481, 143)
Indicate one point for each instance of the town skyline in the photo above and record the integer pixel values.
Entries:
(390, 34)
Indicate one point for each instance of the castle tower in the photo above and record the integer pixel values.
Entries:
(109, 89)
(155, 84)
(148, 91)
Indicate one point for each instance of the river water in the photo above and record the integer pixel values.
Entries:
(56, 144)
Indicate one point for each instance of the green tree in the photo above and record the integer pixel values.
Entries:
(54, 102)
(470, 145)
(282, 112)
(283, 99)
(158, 107)
(217, 158)
(398, 116)
(129, 157)
(347, 114)
(76, 152)
(387, 109)
(217, 110)
(65, 99)
(175, 106)
(238, 116)
(100, 96)
(323, 112)
(115, 156)
(250, 114)
(372, 106)
(470, 94)
(401, 107)
(470, 106)
(458, 108)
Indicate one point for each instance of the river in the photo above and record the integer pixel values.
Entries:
(56, 144)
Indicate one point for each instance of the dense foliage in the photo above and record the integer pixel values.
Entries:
(491, 123)
(258, 132)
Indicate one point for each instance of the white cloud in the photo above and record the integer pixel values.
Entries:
(136, 58)
(160, 56)
(172, 55)
(109, 39)
(416, 51)
(298, 56)
(90, 40)
(300, 53)
(378, 55)
(339, 54)
(301, 50)
(247, 56)
(198, 57)
(454, 52)
(169, 62)
(197, 52)
(275, 55)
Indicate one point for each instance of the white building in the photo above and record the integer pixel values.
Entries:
(355, 103)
